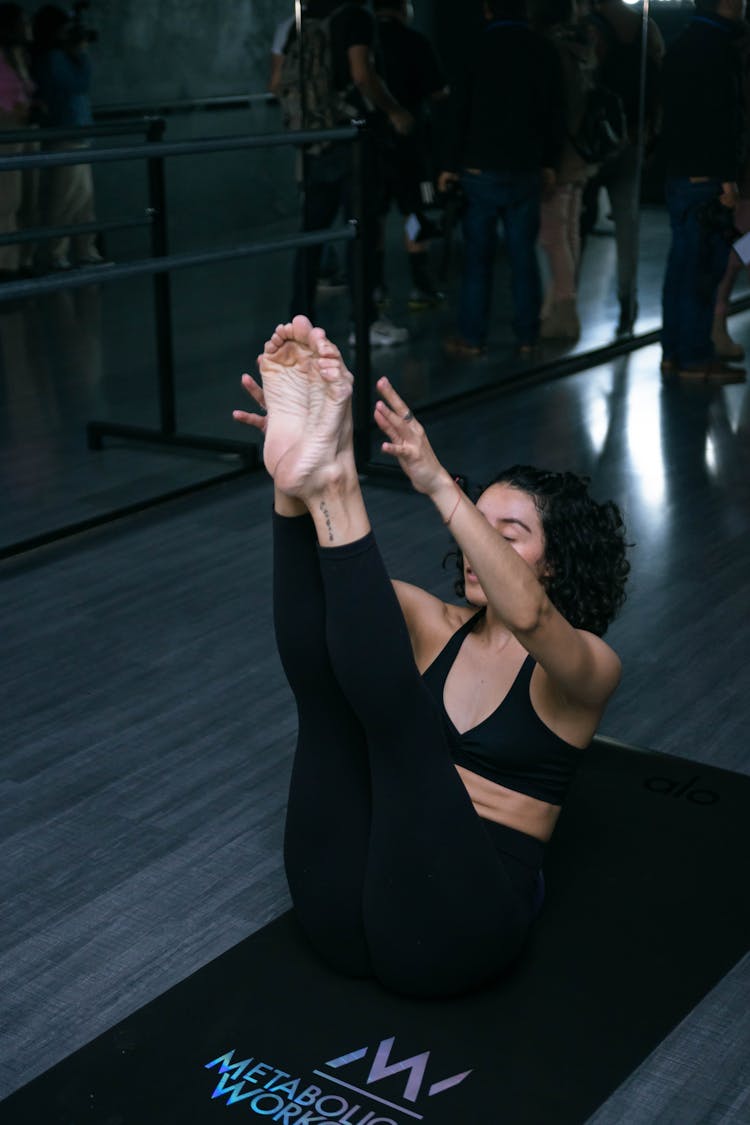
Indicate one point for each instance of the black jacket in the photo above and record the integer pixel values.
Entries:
(702, 125)
(507, 105)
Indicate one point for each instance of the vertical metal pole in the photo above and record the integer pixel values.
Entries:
(640, 137)
(162, 295)
(360, 302)
(303, 155)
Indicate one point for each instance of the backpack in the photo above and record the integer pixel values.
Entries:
(603, 131)
(308, 95)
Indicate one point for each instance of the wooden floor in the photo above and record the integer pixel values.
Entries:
(147, 727)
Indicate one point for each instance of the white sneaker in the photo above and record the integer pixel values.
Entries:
(383, 333)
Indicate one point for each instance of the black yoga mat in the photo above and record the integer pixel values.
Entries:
(646, 909)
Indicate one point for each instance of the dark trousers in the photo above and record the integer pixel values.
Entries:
(391, 871)
(329, 190)
(697, 260)
(515, 198)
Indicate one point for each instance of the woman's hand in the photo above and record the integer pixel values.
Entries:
(256, 392)
(407, 441)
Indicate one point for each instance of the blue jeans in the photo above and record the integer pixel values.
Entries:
(697, 260)
(514, 197)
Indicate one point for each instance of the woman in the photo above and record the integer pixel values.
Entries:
(16, 90)
(403, 863)
(559, 232)
(61, 68)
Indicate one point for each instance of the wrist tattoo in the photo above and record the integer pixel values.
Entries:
(327, 518)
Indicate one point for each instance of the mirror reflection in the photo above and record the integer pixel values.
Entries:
(515, 213)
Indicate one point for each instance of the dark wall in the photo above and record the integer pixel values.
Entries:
(151, 50)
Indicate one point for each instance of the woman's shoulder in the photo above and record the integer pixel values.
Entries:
(427, 608)
(430, 621)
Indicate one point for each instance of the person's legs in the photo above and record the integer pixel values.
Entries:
(621, 183)
(435, 883)
(28, 215)
(554, 239)
(560, 240)
(480, 240)
(697, 260)
(725, 346)
(328, 812)
(84, 245)
(10, 202)
(323, 197)
(521, 217)
(58, 196)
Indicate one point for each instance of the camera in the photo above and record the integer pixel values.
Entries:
(76, 31)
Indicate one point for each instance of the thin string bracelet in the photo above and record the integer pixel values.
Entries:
(455, 508)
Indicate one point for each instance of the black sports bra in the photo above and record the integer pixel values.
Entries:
(512, 746)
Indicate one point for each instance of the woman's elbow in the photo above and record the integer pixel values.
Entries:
(530, 614)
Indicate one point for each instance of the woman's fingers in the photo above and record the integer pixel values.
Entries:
(256, 420)
(398, 443)
(394, 400)
(389, 423)
(254, 390)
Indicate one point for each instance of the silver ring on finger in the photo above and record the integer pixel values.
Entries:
(408, 416)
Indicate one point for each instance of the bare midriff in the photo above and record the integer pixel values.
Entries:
(515, 810)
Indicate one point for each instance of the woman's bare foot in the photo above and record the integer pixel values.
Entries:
(308, 391)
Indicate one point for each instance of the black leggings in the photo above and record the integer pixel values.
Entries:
(391, 871)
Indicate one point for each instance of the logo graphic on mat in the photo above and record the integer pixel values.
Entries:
(277, 1095)
(688, 790)
(382, 1067)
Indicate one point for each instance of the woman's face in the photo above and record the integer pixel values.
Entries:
(514, 514)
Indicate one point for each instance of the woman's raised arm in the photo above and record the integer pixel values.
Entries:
(583, 668)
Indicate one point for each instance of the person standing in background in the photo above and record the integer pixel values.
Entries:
(278, 43)
(414, 77)
(617, 31)
(702, 139)
(727, 348)
(559, 236)
(505, 141)
(16, 92)
(354, 87)
(61, 68)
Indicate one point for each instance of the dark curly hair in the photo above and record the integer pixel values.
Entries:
(584, 544)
